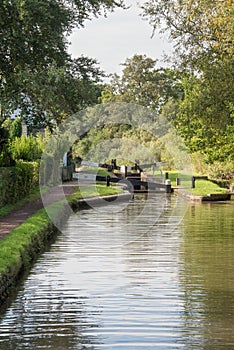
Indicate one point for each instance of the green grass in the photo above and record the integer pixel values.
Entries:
(6, 209)
(94, 190)
(97, 171)
(15, 246)
(202, 187)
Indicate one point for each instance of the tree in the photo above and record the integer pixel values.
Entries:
(205, 120)
(33, 38)
(143, 83)
(203, 34)
(200, 29)
(34, 33)
(51, 95)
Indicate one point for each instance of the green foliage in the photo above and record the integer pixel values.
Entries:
(5, 156)
(143, 83)
(8, 208)
(15, 129)
(119, 141)
(17, 181)
(203, 34)
(205, 119)
(223, 171)
(202, 31)
(35, 34)
(27, 148)
(34, 41)
(59, 92)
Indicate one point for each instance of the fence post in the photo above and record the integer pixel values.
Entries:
(168, 186)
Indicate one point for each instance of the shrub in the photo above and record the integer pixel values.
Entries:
(15, 128)
(16, 182)
(28, 148)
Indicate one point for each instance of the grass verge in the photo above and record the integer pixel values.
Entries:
(94, 191)
(16, 247)
(202, 187)
(205, 187)
(19, 248)
(6, 209)
(97, 171)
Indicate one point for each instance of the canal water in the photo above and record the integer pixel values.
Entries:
(155, 274)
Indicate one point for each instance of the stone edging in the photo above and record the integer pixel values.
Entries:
(209, 198)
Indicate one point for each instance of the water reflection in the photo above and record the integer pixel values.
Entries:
(113, 281)
(47, 315)
(207, 276)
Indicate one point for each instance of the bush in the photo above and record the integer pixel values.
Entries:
(15, 128)
(16, 182)
(27, 148)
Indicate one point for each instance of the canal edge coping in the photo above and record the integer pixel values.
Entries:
(212, 197)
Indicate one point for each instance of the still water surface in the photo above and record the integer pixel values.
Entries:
(156, 274)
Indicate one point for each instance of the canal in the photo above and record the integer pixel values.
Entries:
(153, 274)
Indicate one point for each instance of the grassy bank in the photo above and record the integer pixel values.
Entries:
(6, 209)
(22, 246)
(96, 171)
(94, 190)
(16, 248)
(87, 191)
(202, 187)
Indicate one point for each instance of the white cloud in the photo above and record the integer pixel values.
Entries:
(120, 35)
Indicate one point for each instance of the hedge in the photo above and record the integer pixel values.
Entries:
(17, 181)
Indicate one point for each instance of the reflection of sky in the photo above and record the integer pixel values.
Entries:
(108, 285)
(119, 36)
(159, 289)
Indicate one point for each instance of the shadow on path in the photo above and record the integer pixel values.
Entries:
(18, 216)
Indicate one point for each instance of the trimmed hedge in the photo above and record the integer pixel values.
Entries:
(17, 181)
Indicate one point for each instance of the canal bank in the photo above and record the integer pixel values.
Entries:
(156, 275)
(20, 248)
(212, 197)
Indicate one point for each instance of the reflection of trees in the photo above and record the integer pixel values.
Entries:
(57, 322)
(207, 276)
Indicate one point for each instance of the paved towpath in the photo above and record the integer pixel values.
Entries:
(18, 216)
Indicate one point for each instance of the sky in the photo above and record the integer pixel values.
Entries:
(120, 35)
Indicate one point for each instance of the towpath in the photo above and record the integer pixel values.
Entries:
(18, 216)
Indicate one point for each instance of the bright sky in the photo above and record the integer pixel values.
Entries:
(119, 36)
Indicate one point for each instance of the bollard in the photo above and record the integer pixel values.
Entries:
(108, 180)
(193, 182)
(168, 186)
(177, 181)
(166, 176)
(125, 171)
